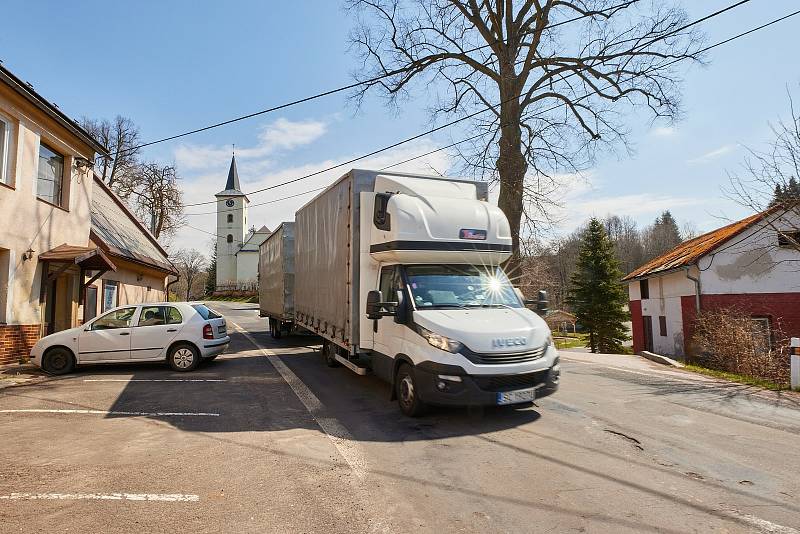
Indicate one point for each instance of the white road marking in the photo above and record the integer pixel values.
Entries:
(335, 430)
(108, 412)
(163, 497)
(763, 525)
(154, 380)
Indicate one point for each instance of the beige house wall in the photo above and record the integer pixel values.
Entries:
(137, 284)
(27, 223)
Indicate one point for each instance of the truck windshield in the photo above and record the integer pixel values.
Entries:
(460, 286)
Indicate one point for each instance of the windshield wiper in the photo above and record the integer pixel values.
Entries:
(461, 306)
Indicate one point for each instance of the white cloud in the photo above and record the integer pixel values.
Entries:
(282, 134)
(712, 155)
(663, 131)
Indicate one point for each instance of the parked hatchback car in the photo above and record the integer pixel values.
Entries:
(182, 333)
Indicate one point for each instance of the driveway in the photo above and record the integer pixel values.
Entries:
(268, 438)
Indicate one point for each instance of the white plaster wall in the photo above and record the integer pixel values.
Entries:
(226, 252)
(28, 223)
(247, 267)
(665, 300)
(752, 262)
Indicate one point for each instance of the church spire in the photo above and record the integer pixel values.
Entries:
(233, 177)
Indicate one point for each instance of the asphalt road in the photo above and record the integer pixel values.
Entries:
(268, 439)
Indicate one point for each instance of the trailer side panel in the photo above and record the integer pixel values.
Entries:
(276, 274)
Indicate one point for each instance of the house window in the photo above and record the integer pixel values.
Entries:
(110, 294)
(644, 289)
(788, 239)
(230, 217)
(230, 238)
(662, 326)
(51, 175)
(5, 134)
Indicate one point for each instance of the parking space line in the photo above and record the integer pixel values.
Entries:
(110, 412)
(162, 497)
(333, 428)
(155, 380)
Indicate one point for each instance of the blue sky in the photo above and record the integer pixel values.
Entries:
(177, 65)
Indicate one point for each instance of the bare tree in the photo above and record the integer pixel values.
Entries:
(121, 138)
(553, 77)
(191, 266)
(157, 199)
(769, 180)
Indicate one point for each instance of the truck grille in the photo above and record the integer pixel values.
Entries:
(511, 382)
(499, 358)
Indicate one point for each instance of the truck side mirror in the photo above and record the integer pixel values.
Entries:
(541, 304)
(376, 308)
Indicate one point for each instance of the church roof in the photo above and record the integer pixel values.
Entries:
(232, 187)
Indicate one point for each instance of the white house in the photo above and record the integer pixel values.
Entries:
(747, 265)
(237, 248)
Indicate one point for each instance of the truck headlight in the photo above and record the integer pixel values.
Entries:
(439, 341)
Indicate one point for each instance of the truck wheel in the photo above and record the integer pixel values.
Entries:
(274, 329)
(408, 393)
(329, 352)
(58, 361)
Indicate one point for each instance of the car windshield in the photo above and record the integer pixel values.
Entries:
(460, 286)
(206, 313)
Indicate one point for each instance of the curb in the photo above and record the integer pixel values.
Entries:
(663, 360)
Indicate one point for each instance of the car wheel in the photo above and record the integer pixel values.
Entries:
(329, 351)
(183, 357)
(58, 361)
(407, 392)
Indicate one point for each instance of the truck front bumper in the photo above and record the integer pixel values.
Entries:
(448, 385)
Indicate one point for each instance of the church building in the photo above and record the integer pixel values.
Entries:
(237, 247)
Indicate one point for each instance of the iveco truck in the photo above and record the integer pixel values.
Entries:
(401, 276)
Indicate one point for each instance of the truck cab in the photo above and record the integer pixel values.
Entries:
(440, 319)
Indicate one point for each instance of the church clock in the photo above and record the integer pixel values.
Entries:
(229, 202)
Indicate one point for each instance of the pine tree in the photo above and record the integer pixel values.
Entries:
(597, 297)
(211, 271)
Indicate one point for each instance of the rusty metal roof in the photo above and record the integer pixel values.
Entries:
(688, 252)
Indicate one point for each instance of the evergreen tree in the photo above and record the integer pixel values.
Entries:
(597, 296)
(662, 236)
(211, 271)
(787, 193)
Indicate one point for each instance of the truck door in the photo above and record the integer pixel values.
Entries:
(388, 335)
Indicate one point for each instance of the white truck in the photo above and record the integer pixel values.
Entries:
(400, 275)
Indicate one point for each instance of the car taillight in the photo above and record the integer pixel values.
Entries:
(208, 332)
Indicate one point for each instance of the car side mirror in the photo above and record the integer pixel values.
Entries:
(376, 308)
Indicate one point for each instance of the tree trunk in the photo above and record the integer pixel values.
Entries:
(511, 167)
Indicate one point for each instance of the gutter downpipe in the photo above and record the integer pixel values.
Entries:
(177, 277)
(696, 289)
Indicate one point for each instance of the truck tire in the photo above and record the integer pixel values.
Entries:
(329, 353)
(407, 392)
(274, 329)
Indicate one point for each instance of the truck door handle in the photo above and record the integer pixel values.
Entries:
(172, 329)
(124, 333)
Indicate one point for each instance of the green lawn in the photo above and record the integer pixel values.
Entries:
(569, 340)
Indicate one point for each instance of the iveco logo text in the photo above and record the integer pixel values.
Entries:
(502, 342)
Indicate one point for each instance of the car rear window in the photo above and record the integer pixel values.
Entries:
(206, 313)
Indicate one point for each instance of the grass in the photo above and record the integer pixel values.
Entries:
(569, 340)
(733, 377)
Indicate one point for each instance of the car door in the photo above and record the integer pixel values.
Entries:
(155, 329)
(388, 334)
(108, 337)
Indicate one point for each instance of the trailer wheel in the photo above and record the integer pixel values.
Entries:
(329, 352)
(408, 393)
(274, 329)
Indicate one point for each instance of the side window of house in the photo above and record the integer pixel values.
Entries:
(110, 290)
(230, 238)
(116, 319)
(788, 239)
(50, 178)
(662, 325)
(230, 217)
(644, 288)
(5, 133)
(173, 315)
(152, 316)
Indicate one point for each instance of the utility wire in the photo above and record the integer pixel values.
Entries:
(351, 86)
(726, 41)
(481, 111)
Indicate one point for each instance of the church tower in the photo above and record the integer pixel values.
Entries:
(231, 226)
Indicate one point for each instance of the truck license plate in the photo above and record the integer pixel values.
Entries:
(514, 397)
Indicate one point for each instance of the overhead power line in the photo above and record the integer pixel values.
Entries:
(710, 47)
(476, 113)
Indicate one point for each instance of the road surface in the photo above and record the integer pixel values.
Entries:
(268, 439)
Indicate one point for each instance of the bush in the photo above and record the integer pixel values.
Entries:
(730, 340)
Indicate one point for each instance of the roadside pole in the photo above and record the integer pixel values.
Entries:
(794, 355)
